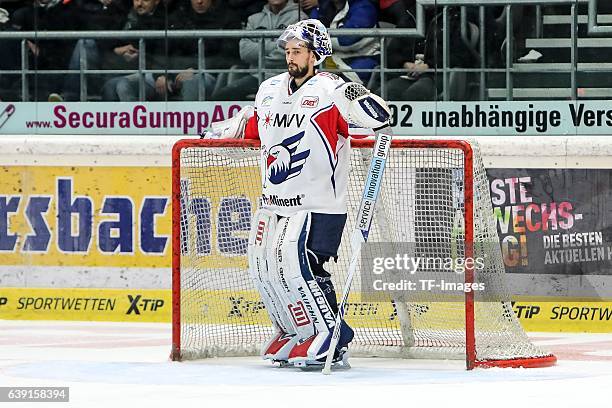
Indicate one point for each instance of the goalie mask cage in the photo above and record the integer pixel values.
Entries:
(433, 191)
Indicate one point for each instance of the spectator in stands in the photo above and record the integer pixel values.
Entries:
(42, 15)
(323, 10)
(244, 8)
(351, 52)
(420, 83)
(399, 50)
(400, 13)
(275, 15)
(183, 53)
(93, 15)
(5, 17)
(145, 15)
(308, 6)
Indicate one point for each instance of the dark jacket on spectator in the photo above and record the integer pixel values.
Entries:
(460, 55)
(95, 16)
(402, 14)
(361, 14)
(325, 12)
(244, 8)
(54, 54)
(155, 49)
(355, 52)
(218, 52)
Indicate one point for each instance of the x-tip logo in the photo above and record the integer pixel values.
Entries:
(138, 303)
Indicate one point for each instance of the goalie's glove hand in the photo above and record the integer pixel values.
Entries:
(232, 128)
(207, 134)
(359, 106)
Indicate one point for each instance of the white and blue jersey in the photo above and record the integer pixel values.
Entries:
(304, 147)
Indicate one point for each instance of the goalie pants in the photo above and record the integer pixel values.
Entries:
(322, 245)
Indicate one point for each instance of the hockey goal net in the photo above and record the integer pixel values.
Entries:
(434, 191)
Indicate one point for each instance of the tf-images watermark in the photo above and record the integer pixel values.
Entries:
(412, 271)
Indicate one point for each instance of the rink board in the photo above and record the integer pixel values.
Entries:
(222, 307)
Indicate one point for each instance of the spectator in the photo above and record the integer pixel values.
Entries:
(308, 6)
(244, 8)
(400, 13)
(200, 15)
(351, 52)
(276, 15)
(94, 15)
(324, 10)
(5, 16)
(42, 15)
(399, 50)
(420, 83)
(145, 15)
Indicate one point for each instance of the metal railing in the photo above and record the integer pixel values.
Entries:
(200, 35)
(382, 34)
(593, 29)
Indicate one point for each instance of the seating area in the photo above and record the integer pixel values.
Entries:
(409, 50)
(552, 76)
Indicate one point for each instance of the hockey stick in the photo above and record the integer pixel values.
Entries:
(362, 229)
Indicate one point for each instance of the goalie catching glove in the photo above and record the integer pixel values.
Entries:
(359, 106)
(232, 128)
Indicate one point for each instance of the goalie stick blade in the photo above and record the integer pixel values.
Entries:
(340, 362)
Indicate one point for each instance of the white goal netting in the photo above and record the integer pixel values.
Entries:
(422, 202)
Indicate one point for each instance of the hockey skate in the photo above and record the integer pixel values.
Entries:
(313, 350)
(277, 349)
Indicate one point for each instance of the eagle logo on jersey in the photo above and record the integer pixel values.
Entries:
(282, 161)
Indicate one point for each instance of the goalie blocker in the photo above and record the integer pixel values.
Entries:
(359, 106)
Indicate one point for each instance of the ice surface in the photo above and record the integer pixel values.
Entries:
(113, 365)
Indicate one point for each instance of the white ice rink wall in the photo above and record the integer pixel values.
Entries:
(85, 227)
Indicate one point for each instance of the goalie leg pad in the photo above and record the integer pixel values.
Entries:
(310, 308)
(318, 345)
(305, 293)
(264, 226)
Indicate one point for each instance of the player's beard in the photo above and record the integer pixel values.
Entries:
(297, 71)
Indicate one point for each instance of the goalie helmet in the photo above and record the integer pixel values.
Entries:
(313, 33)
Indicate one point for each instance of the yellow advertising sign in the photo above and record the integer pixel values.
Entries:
(222, 201)
(564, 316)
(245, 307)
(86, 216)
(118, 305)
(121, 216)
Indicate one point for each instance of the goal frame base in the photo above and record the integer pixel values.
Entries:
(535, 362)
